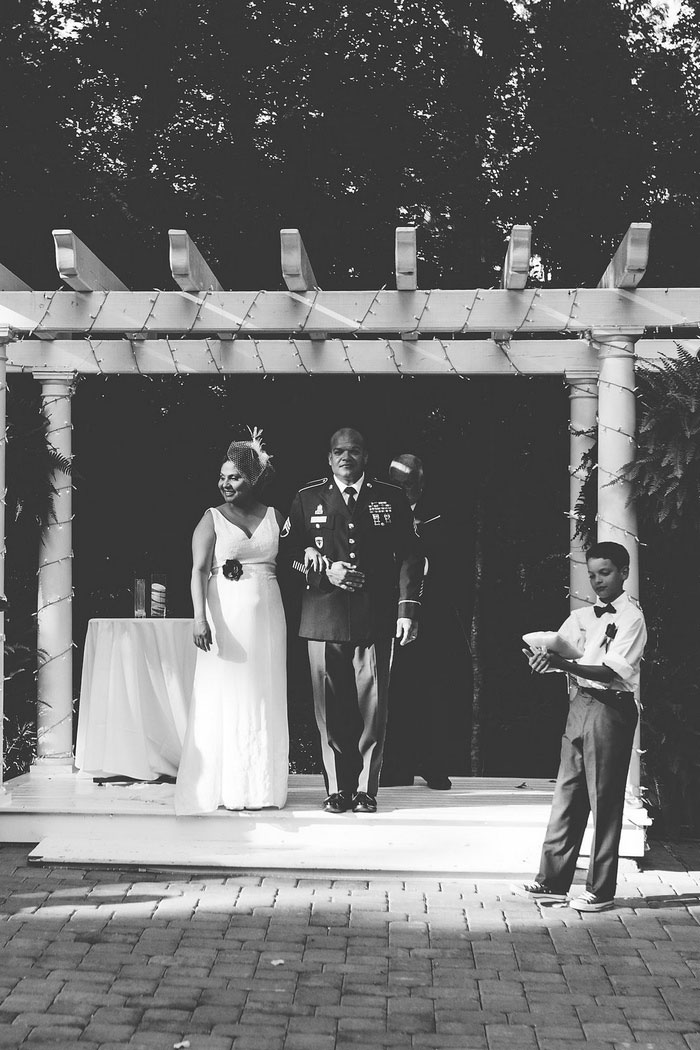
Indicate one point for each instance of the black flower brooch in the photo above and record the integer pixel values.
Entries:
(610, 632)
(232, 569)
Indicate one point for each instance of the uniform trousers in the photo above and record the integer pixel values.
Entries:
(351, 691)
(595, 754)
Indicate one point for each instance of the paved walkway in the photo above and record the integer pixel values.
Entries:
(151, 961)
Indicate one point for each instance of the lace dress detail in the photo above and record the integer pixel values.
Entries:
(236, 748)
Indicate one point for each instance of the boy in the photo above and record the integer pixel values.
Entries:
(599, 733)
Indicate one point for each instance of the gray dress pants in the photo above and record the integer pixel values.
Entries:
(595, 756)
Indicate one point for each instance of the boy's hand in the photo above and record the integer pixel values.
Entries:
(539, 661)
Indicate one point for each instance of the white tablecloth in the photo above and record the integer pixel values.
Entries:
(134, 697)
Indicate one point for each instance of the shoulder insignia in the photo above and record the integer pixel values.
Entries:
(313, 484)
(388, 485)
(286, 529)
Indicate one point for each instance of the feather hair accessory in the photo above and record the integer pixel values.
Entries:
(250, 457)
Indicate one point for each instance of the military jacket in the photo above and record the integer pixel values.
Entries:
(378, 537)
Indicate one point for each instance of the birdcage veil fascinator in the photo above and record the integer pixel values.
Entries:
(249, 457)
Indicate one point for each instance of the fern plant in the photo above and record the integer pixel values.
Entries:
(666, 472)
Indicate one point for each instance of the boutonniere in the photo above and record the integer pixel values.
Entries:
(610, 632)
(232, 569)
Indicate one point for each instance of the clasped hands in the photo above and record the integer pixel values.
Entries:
(348, 578)
(341, 574)
(542, 660)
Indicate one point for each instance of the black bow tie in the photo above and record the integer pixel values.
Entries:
(601, 610)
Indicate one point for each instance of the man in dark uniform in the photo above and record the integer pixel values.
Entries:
(366, 593)
(429, 681)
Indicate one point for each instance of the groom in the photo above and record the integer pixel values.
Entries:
(367, 594)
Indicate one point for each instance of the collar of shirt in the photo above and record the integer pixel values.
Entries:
(618, 603)
(343, 485)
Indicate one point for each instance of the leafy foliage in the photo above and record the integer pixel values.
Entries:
(666, 472)
(666, 481)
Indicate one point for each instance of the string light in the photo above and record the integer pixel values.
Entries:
(369, 310)
(215, 363)
(300, 360)
(391, 356)
(93, 317)
(261, 363)
(39, 324)
(450, 363)
(348, 361)
(470, 307)
(504, 346)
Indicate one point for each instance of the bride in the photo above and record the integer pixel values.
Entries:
(236, 747)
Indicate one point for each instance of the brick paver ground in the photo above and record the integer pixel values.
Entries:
(98, 959)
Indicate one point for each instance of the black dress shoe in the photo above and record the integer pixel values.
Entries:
(364, 803)
(438, 783)
(338, 802)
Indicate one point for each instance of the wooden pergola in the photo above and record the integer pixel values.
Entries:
(591, 337)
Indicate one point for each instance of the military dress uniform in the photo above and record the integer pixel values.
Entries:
(350, 633)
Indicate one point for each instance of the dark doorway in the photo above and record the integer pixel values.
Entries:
(147, 457)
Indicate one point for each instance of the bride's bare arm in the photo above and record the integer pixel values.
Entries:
(203, 541)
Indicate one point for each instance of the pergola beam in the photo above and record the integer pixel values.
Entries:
(80, 268)
(296, 268)
(188, 266)
(530, 357)
(628, 264)
(351, 313)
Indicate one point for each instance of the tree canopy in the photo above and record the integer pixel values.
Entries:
(233, 118)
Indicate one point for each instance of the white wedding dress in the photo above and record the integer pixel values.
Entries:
(236, 748)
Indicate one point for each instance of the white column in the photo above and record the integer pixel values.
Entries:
(617, 518)
(583, 412)
(5, 336)
(55, 592)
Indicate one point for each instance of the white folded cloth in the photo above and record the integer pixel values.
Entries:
(552, 641)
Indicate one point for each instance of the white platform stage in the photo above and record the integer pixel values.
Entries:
(481, 827)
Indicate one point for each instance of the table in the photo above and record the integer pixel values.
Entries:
(134, 697)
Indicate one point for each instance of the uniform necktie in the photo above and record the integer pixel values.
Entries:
(351, 498)
(601, 610)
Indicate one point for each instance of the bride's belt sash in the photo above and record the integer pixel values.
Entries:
(259, 570)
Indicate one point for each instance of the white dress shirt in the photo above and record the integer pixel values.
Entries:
(622, 653)
(343, 485)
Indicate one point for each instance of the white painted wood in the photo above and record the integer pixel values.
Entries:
(366, 356)
(360, 314)
(80, 268)
(4, 338)
(188, 266)
(406, 258)
(628, 264)
(516, 265)
(9, 282)
(515, 271)
(617, 518)
(583, 402)
(485, 826)
(55, 590)
(296, 268)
